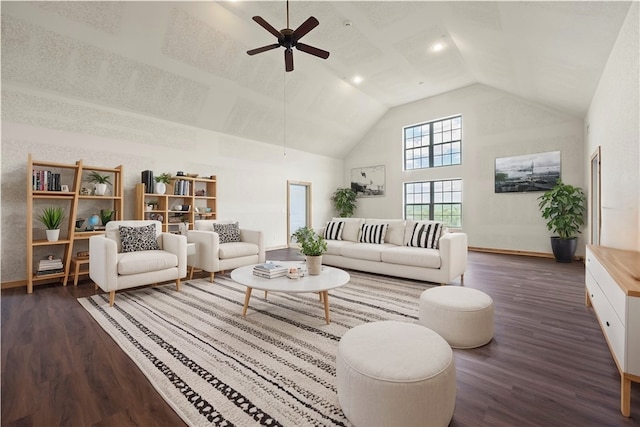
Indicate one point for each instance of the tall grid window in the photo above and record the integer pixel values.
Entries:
(434, 200)
(433, 144)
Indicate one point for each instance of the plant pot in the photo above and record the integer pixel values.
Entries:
(106, 216)
(53, 235)
(161, 187)
(564, 249)
(314, 265)
(101, 189)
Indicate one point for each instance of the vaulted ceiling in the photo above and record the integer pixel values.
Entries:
(186, 62)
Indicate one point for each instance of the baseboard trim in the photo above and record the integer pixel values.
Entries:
(516, 252)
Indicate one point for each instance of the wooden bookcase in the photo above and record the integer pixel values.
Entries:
(73, 202)
(199, 194)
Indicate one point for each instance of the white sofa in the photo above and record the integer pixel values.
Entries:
(394, 257)
(213, 256)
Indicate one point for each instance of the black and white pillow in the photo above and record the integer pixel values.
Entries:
(426, 235)
(227, 232)
(134, 239)
(373, 233)
(333, 230)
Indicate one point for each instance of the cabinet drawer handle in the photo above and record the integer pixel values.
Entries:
(591, 295)
(607, 323)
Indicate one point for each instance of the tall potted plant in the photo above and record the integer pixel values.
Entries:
(52, 218)
(563, 207)
(312, 245)
(344, 200)
(100, 182)
(161, 182)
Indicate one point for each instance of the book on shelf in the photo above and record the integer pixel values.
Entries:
(45, 180)
(49, 264)
(45, 272)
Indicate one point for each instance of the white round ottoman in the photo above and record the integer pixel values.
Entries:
(462, 316)
(395, 374)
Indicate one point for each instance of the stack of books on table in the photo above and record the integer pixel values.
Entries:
(49, 266)
(270, 270)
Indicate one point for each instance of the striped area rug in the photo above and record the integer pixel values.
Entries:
(275, 367)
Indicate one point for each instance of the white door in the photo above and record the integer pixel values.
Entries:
(299, 215)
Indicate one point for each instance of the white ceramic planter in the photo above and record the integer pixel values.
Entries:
(53, 235)
(161, 187)
(101, 189)
(314, 265)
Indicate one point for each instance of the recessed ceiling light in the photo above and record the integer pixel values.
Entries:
(356, 80)
(437, 47)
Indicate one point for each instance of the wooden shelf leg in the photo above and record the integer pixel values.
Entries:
(625, 395)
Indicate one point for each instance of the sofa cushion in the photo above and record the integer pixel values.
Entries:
(335, 246)
(145, 261)
(364, 251)
(395, 229)
(351, 228)
(373, 233)
(418, 257)
(333, 230)
(135, 239)
(237, 250)
(227, 232)
(423, 234)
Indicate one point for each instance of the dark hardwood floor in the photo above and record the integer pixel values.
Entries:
(548, 364)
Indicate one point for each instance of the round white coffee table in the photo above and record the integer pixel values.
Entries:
(329, 278)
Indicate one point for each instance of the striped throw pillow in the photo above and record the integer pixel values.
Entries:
(333, 230)
(373, 233)
(426, 235)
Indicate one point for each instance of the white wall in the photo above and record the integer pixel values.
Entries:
(252, 176)
(613, 122)
(495, 124)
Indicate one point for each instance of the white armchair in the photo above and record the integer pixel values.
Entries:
(214, 254)
(140, 254)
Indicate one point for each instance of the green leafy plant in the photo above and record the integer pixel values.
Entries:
(52, 217)
(344, 200)
(311, 244)
(96, 177)
(563, 207)
(165, 177)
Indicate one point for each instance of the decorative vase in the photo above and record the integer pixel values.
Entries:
(564, 249)
(101, 189)
(53, 235)
(161, 187)
(314, 265)
(106, 215)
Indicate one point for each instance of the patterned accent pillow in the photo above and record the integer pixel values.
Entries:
(333, 230)
(373, 233)
(426, 235)
(136, 239)
(228, 232)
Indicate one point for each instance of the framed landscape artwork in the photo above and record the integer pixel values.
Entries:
(529, 172)
(368, 181)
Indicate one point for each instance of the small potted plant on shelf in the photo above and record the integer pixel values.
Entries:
(52, 217)
(563, 207)
(100, 182)
(161, 182)
(312, 246)
(344, 200)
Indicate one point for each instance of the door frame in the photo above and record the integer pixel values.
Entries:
(308, 206)
(595, 197)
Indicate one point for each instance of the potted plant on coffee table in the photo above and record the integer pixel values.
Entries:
(312, 246)
(52, 217)
(563, 207)
(344, 200)
(100, 182)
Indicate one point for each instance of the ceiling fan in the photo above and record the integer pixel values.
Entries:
(288, 39)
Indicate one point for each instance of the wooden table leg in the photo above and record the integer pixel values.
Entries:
(76, 273)
(625, 395)
(247, 297)
(325, 296)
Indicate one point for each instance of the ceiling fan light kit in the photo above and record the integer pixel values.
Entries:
(289, 39)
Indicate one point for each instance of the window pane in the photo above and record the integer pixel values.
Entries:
(437, 138)
(446, 125)
(456, 134)
(456, 122)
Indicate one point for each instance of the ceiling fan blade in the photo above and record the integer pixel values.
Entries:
(264, 24)
(312, 50)
(288, 60)
(304, 28)
(263, 49)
